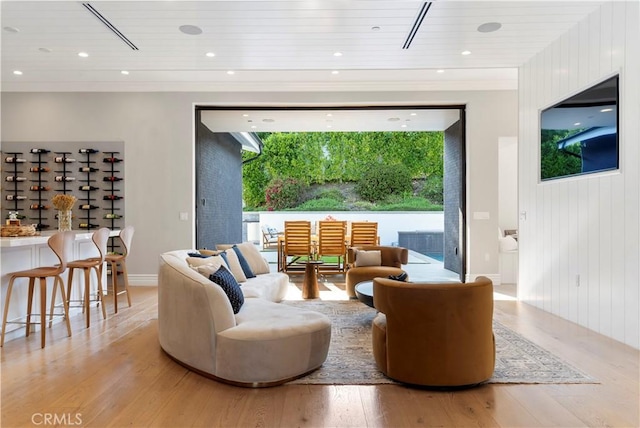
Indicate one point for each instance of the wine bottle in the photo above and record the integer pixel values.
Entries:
(64, 178)
(38, 207)
(111, 197)
(39, 151)
(13, 159)
(89, 188)
(89, 207)
(112, 178)
(88, 151)
(112, 216)
(40, 188)
(88, 226)
(15, 178)
(16, 198)
(88, 169)
(112, 160)
(62, 159)
(39, 169)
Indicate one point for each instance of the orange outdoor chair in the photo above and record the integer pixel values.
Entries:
(296, 244)
(331, 242)
(364, 233)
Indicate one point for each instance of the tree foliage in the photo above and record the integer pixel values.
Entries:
(330, 157)
(555, 162)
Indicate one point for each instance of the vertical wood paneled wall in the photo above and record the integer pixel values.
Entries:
(580, 237)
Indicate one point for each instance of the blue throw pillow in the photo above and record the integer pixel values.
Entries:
(202, 256)
(228, 283)
(243, 263)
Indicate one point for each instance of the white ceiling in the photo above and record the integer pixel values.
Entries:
(276, 45)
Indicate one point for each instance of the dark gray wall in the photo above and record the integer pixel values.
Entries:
(454, 191)
(218, 189)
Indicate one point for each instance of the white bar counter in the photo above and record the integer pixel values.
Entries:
(22, 253)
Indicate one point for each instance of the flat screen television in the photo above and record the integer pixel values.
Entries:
(579, 135)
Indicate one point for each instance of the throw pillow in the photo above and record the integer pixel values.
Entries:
(200, 255)
(228, 283)
(194, 262)
(212, 266)
(255, 260)
(232, 261)
(368, 258)
(246, 269)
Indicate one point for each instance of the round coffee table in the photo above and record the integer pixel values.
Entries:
(364, 292)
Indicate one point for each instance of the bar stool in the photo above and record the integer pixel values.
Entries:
(100, 239)
(61, 244)
(125, 235)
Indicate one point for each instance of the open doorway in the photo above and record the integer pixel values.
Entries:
(220, 221)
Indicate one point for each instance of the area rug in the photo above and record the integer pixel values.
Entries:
(350, 360)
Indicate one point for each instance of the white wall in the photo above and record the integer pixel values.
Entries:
(157, 130)
(508, 183)
(586, 226)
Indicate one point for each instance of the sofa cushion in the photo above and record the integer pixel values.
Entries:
(368, 258)
(246, 269)
(255, 260)
(269, 286)
(214, 264)
(232, 261)
(228, 283)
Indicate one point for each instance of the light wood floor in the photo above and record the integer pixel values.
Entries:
(114, 374)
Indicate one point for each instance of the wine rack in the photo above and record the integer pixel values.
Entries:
(112, 195)
(13, 181)
(38, 201)
(64, 168)
(88, 189)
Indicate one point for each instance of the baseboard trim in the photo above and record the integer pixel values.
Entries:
(143, 280)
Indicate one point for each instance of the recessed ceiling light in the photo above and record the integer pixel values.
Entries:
(45, 50)
(404, 125)
(125, 72)
(465, 53)
(253, 127)
(83, 54)
(10, 29)
(245, 115)
(393, 119)
(329, 126)
(440, 71)
(230, 72)
(335, 72)
(17, 72)
(329, 114)
(375, 28)
(605, 110)
(192, 30)
(489, 27)
(210, 54)
(337, 54)
(413, 114)
(577, 123)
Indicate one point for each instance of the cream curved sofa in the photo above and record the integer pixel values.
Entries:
(264, 344)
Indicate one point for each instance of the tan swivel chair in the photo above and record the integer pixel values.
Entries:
(434, 334)
(100, 239)
(364, 233)
(331, 242)
(392, 259)
(297, 244)
(61, 244)
(126, 235)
